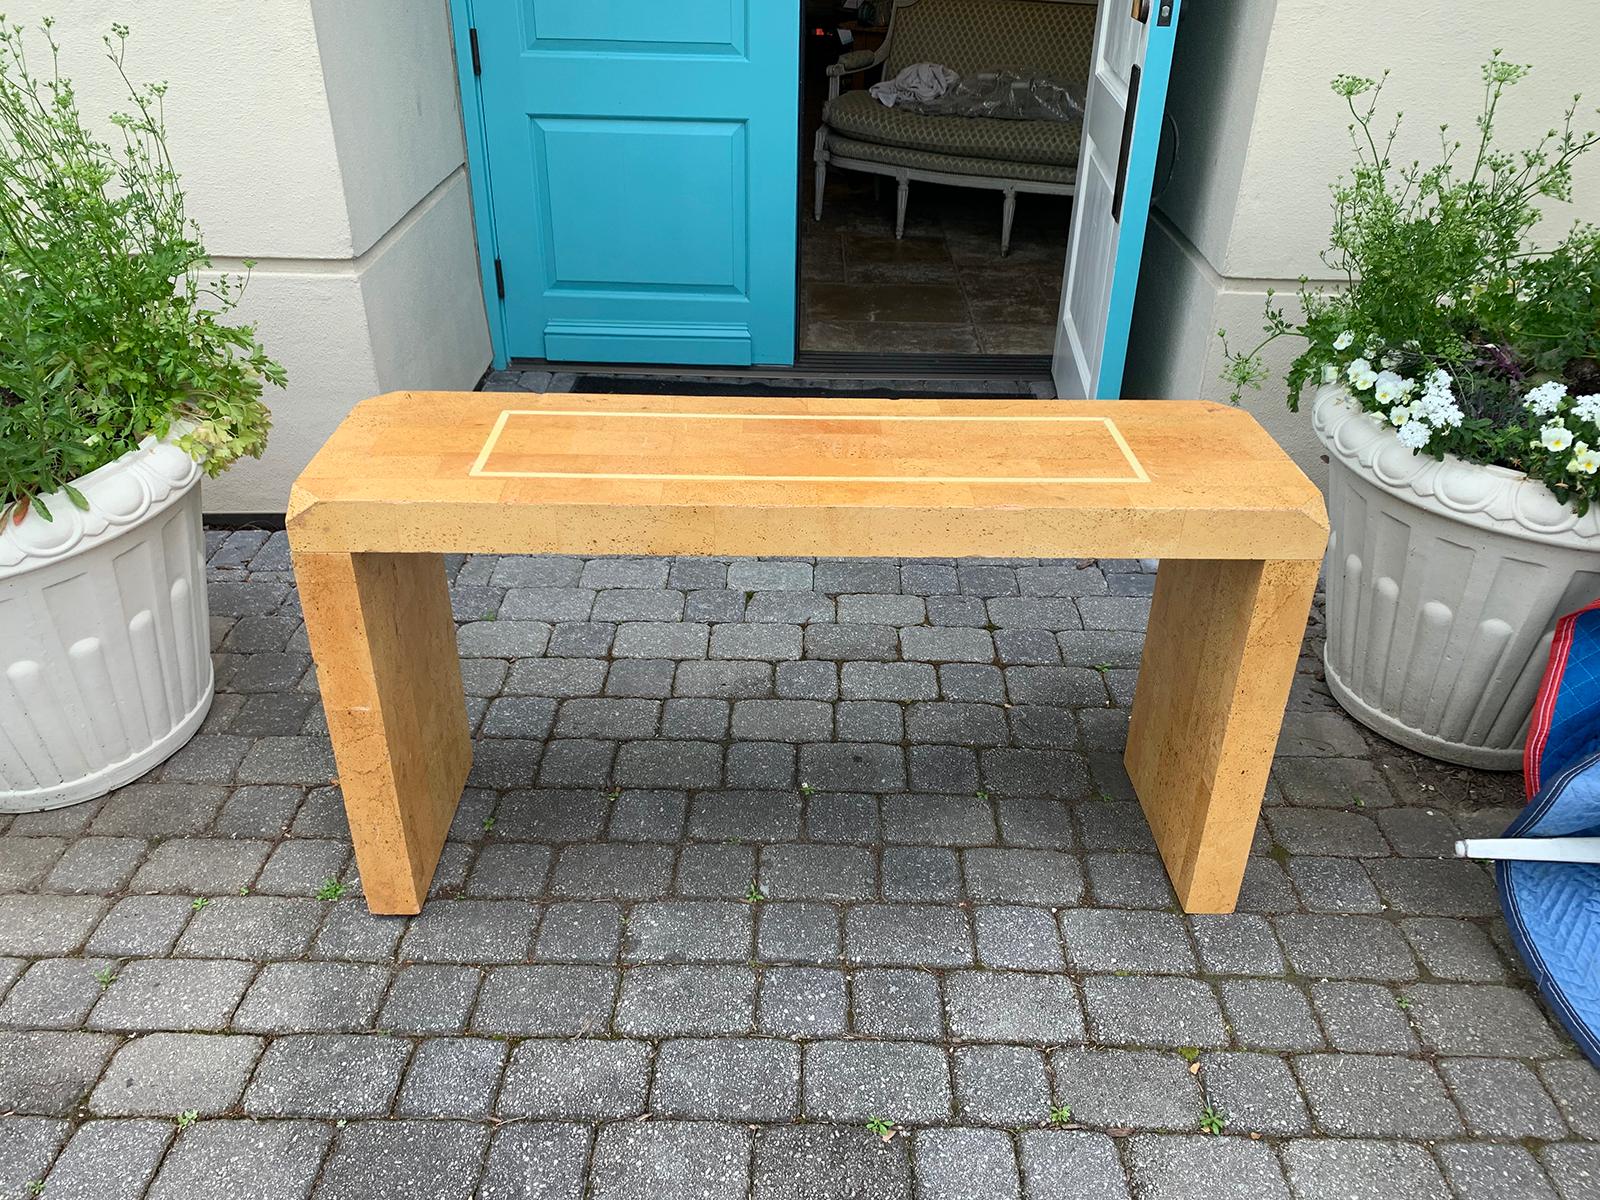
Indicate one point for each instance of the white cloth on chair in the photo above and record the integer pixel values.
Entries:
(920, 81)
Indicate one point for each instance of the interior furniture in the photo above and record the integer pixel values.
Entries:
(408, 478)
(1030, 37)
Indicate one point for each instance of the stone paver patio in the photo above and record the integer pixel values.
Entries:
(755, 852)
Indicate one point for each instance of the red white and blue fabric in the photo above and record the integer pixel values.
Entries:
(1553, 908)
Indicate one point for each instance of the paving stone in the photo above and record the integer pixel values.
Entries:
(938, 820)
(957, 724)
(1363, 1017)
(757, 816)
(798, 871)
(671, 1160)
(715, 872)
(1164, 1168)
(160, 810)
(1257, 1092)
(519, 717)
(1141, 1010)
(918, 935)
(808, 680)
(729, 680)
(1071, 1165)
(1321, 780)
(852, 767)
(1358, 1095)
(949, 769)
(1137, 1089)
(1575, 1084)
(258, 811)
(920, 873)
(1269, 1014)
(555, 677)
(471, 931)
(1501, 1098)
(201, 866)
(546, 1000)
(1001, 1085)
(1334, 885)
(809, 1162)
(1236, 944)
(852, 643)
(507, 869)
(869, 721)
(803, 933)
(437, 1159)
(452, 1077)
(302, 760)
(1346, 947)
(109, 1160)
(579, 932)
(1013, 1007)
(756, 640)
(1574, 1168)
(243, 1160)
(727, 1079)
(607, 717)
(895, 681)
(1107, 940)
(48, 1073)
(1481, 1171)
(802, 1002)
(353, 934)
(25, 861)
(547, 604)
(688, 931)
(543, 1161)
(1043, 877)
(1361, 1170)
(299, 997)
(760, 765)
(91, 865)
(965, 1164)
(679, 1000)
(165, 1074)
(638, 604)
(905, 1082)
(1431, 887)
(550, 816)
(141, 926)
(327, 1075)
(896, 1004)
(1419, 832)
(1018, 938)
(669, 764)
(1454, 1018)
(36, 926)
(620, 870)
(1017, 771)
(1326, 831)
(258, 927)
(831, 817)
(1453, 949)
(27, 1146)
(196, 994)
(54, 993)
(428, 999)
(596, 1079)
(976, 683)
(696, 719)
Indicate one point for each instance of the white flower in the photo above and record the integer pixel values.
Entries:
(1545, 399)
(1361, 374)
(1555, 436)
(1414, 435)
(1587, 408)
(1389, 387)
(1446, 300)
(1399, 415)
(1344, 340)
(1330, 373)
(1584, 460)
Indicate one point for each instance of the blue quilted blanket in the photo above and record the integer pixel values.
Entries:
(1553, 909)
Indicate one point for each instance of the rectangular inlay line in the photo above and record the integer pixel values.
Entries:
(480, 468)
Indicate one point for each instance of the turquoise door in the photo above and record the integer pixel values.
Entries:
(639, 159)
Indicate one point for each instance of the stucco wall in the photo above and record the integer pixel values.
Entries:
(1261, 137)
(321, 138)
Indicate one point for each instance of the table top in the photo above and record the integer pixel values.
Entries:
(502, 472)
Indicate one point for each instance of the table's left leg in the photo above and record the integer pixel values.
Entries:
(1219, 656)
(385, 648)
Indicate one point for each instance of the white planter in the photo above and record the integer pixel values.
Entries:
(105, 665)
(1444, 582)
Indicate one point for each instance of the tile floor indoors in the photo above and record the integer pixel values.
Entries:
(755, 852)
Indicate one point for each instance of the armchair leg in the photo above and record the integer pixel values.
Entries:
(900, 196)
(1008, 211)
(822, 182)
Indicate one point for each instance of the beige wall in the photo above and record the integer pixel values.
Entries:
(323, 139)
(1261, 137)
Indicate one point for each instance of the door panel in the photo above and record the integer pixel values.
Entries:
(641, 162)
(1127, 84)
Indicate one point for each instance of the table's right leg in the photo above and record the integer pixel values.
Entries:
(1219, 656)
(385, 648)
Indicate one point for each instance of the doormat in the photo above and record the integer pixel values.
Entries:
(645, 385)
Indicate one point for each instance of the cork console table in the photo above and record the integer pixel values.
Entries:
(409, 477)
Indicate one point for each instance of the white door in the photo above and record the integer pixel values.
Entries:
(1128, 72)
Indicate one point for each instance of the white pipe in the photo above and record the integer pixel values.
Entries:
(1556, 849)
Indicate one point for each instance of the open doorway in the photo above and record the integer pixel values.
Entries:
(982, 202)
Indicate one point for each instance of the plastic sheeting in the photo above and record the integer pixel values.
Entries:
(1006, 95)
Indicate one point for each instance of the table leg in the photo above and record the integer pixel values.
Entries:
(1219, 657)
(385, 648)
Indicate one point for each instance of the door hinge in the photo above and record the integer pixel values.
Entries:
(499, 279)
(472, 40)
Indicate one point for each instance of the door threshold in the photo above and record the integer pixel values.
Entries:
(824, 365)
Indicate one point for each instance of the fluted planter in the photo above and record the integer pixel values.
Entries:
(1444, 582)
(105, 666)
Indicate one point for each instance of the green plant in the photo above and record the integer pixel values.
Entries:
(755, 895)
(186, 1119)
(199, 902)
(1060, 1114)
(1212, 1119)
(332, 889)
(105, 977)
(1449, 323)
(108, 334)
(881, 1126)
